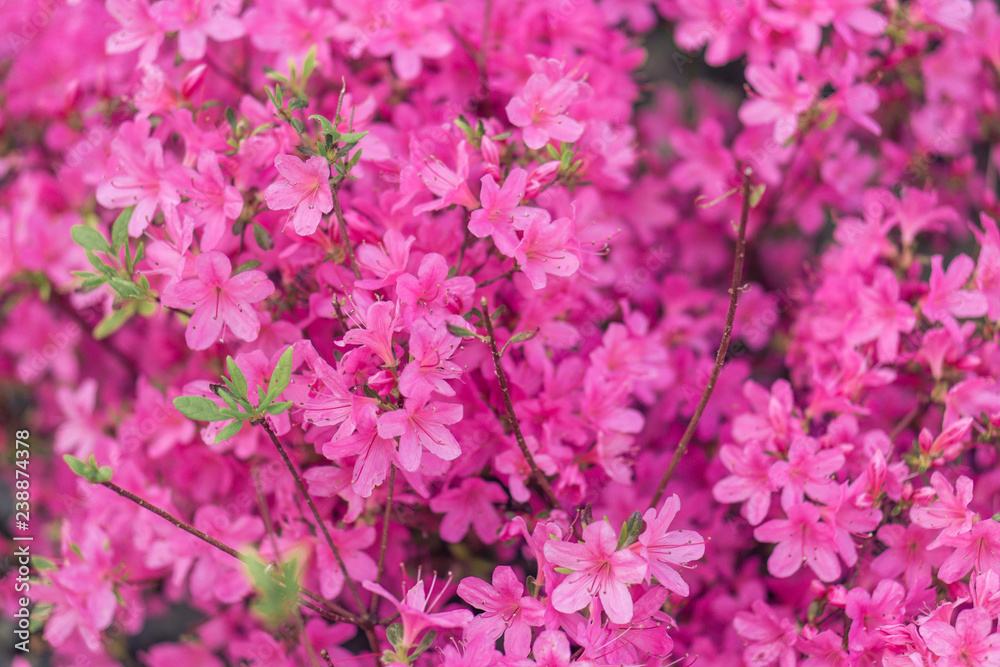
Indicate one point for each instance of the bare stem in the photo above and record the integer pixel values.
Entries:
(312, 506)
(342, 224)
(727, 332)
(539, 476)
(385, 539)
(327, 610)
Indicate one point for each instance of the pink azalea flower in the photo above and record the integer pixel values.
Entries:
(387, 261)
(801, 538)
(137, 176)
(431, 347)
(949, 513)
(215, 575)
(375, 454)
(775, 421)
(501, 214)
(978, 550)
(870, 612)
(781, 95)
(970, 642)
(947, 299)
(428, 171)
(908, 553)
(422, 424)
(599, 569)
(540, 109)
(195, 21)
(431, 292)
(882, 316)
(509, 612)
(414, 610)
(918, 212)
(379, 324)
(665, 549)
(215, 200)
(551, 649)
(768, 637)
(987, 279)
(545, 250)
(806, 471)
(305, 188)
(471, 504)
(219, 299)
(411, 37)
(750, 481)
(138, 30)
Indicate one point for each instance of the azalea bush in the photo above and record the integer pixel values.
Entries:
(528, 333)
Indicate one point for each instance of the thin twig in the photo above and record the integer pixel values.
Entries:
(539, 476)
(342, 224)
(327, 609)
(312, 506)
(727, 332)
(385, 539)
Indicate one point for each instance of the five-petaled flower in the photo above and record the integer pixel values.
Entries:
(218, 299)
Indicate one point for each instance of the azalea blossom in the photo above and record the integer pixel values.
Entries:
(219, 300)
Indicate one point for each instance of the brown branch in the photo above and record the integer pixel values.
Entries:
(385, 540)
(727, 332)
(539, 476)
(328, 610)
(319, 520)
(342, 224)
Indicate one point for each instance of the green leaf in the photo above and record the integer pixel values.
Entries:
(76, 465)
(309, 65)
(271, 97)
(262, 237)
(98, 264)
(274, 75)
(228, 432)
(325, 125)
(226, 395)
(126, 288)
(354, 159)
(352, 137)
(394, 633)
(91, 239)
(104, 474)
(199, 409)
(756, 193)
(519, 337)
(236, 375)
(277, 591)
(630, 531)
(119, 231)
(231, 119)
(113, 322)
(563, 570)
(92, 282)
(42, 563)
(278, 408)
(299, 126)
(424, 644)
(461, 332)
(280, 377)
(298, 103)
(248, 265)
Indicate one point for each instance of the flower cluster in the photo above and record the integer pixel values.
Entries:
(598, 332)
